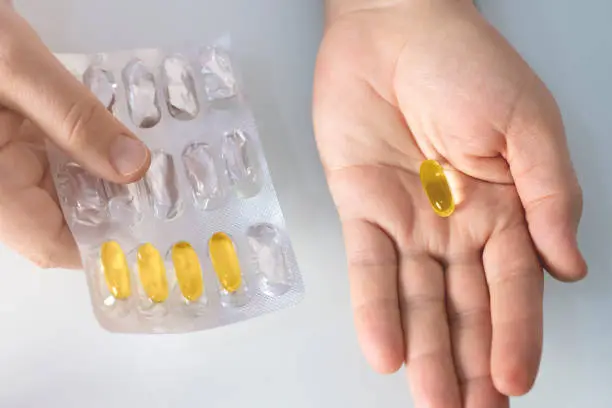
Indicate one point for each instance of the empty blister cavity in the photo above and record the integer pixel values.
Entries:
(268, 251)
(142, 100)
(162, 186)
(84, 194)
(124, 202)
(102, 84)
(188, 270)
(219, 78)
(240, 163)
(203, 177)
(152, 273)
(181, 96)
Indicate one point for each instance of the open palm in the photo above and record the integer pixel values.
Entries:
(458, 299)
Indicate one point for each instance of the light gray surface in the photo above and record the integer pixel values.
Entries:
(53, 354)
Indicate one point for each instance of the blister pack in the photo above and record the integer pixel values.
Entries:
(200, 241)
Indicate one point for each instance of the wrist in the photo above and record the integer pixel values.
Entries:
(337, 8)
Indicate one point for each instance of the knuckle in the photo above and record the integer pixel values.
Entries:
(369, 261)
(422, 303)
(469, 318)
(79, 117)
(514, 275)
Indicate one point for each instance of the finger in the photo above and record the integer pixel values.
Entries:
(516, 289)
(541, 167)
(428, 351)
(10, 123)
(373, 274)
(30, 220)
(469, 318)
(36, 84)
(32, 225)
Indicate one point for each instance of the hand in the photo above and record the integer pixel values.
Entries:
(458, 300)
(40, 100)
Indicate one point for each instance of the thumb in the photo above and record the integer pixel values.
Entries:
(34, 83)
(540, 163)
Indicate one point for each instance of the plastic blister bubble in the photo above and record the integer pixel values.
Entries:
(218, 74)
(124, 204)
(200, 241)
(102, 84)
(143, 103)
(240, 163)
(180, 87)
(84, 194)
(162, 186)
(203, 176)
(268, 251)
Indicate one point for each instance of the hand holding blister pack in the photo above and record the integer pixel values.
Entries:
(199, 242)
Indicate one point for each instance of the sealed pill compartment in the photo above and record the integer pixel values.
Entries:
(200, 241)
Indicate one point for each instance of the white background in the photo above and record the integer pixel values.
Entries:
(53, 354)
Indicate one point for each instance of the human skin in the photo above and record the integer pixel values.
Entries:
(457, 300)
(40, 101)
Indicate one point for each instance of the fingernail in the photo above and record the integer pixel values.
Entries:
(127, 155)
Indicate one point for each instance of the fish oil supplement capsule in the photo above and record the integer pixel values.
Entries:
(115, 269)
(437, 188)
(152, 273)
(188, 271)
(225, 261)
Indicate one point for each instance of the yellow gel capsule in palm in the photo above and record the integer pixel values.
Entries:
(115, 269)
(437, 188)
(152, 273)
(225, 261)
(188, 271)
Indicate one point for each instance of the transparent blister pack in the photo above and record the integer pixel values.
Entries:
(200, 241)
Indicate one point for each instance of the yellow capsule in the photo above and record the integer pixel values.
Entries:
(225, 261)
(437, 189)
(116, 270)
(152, 272)
(188, 271)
